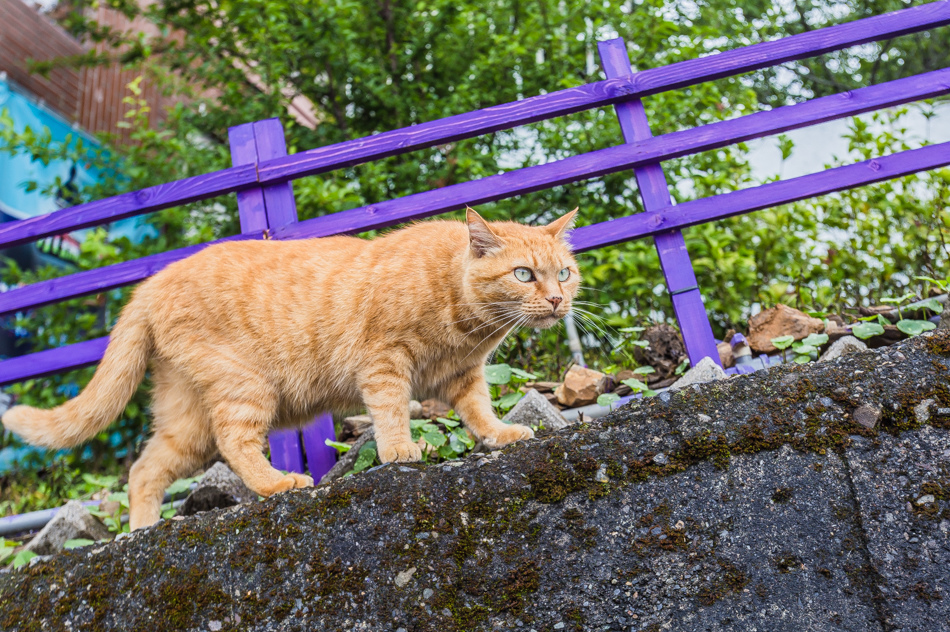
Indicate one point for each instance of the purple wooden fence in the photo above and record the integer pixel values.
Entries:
(262, 173)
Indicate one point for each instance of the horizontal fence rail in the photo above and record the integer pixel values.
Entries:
(505, 116)
(622, 157)
(266, 176)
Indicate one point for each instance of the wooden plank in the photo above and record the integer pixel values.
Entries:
(75, 356)
(99, 279)
(614, 159)
(279, 198)
(128, 204)
(251, 209)
(654, 191)
(320, 456)
(765, 196)
(609, 92)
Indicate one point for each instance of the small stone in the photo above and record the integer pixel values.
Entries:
(415, 409)
(356, 425)
(559, 625)
(922, 411)
(867, 415)
(428, 592)
(581, 387)
(661, 459)
(705, 371)
(777, 321)
(218, 488)
(842, 347)
(214, 625)
(943, 412)
(601, 475)
(926, 499)
(534, 409)
(705, 419)
(403, 578)
(71, 522)
(726, 359)
(679, 526)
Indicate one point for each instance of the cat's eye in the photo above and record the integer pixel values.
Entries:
(524, 275)
(563, 275)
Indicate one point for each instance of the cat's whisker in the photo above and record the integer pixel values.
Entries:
(496, 319)
(597, 319)
(516, 317)
(597, 328)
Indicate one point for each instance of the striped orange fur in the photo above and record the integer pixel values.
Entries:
(247, 336)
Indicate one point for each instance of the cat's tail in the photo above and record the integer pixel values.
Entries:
(104, 398)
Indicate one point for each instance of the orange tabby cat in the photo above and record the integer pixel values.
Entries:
(247, 336)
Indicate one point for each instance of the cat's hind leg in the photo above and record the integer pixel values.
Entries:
(469, 396)
(181, 443)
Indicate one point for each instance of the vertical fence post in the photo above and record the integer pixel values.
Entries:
(674, 258)
(265, 209)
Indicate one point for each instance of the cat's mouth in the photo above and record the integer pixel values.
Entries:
(544, 321)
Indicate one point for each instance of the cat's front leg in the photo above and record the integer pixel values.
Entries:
(470, 399)
(386, 395)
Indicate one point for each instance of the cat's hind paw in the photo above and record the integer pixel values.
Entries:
(399, 452)
(508, 434)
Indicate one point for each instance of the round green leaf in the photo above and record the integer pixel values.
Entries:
(815, 340)
(434, 438)
(78, 542)
(915, 327)
(497, 373)
(866, 330)
(644, 370)
(932, 304)
(607, 399)
(524, 375)
(783, 342)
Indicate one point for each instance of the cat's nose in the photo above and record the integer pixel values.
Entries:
(555, 301)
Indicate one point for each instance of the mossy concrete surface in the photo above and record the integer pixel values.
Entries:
(755, 503)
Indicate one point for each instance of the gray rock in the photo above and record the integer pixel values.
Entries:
(404, 577)
(841, 347)
(346, 460)
(217, 489)
(922, 411)
(867, 415)
(415, 409)
(534, 408)
(696, 547)
(705, 371)
(71, 522)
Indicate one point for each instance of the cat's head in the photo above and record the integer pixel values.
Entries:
(522, 275)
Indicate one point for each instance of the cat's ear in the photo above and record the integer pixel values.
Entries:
(559, 227)
(480, 236)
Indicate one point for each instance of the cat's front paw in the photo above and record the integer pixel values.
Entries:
(508, 434)
(399, 452)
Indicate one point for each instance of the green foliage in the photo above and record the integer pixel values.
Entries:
(867, 330)
(22, 558)
(915, 327)
(77, 543)
(6, 549)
